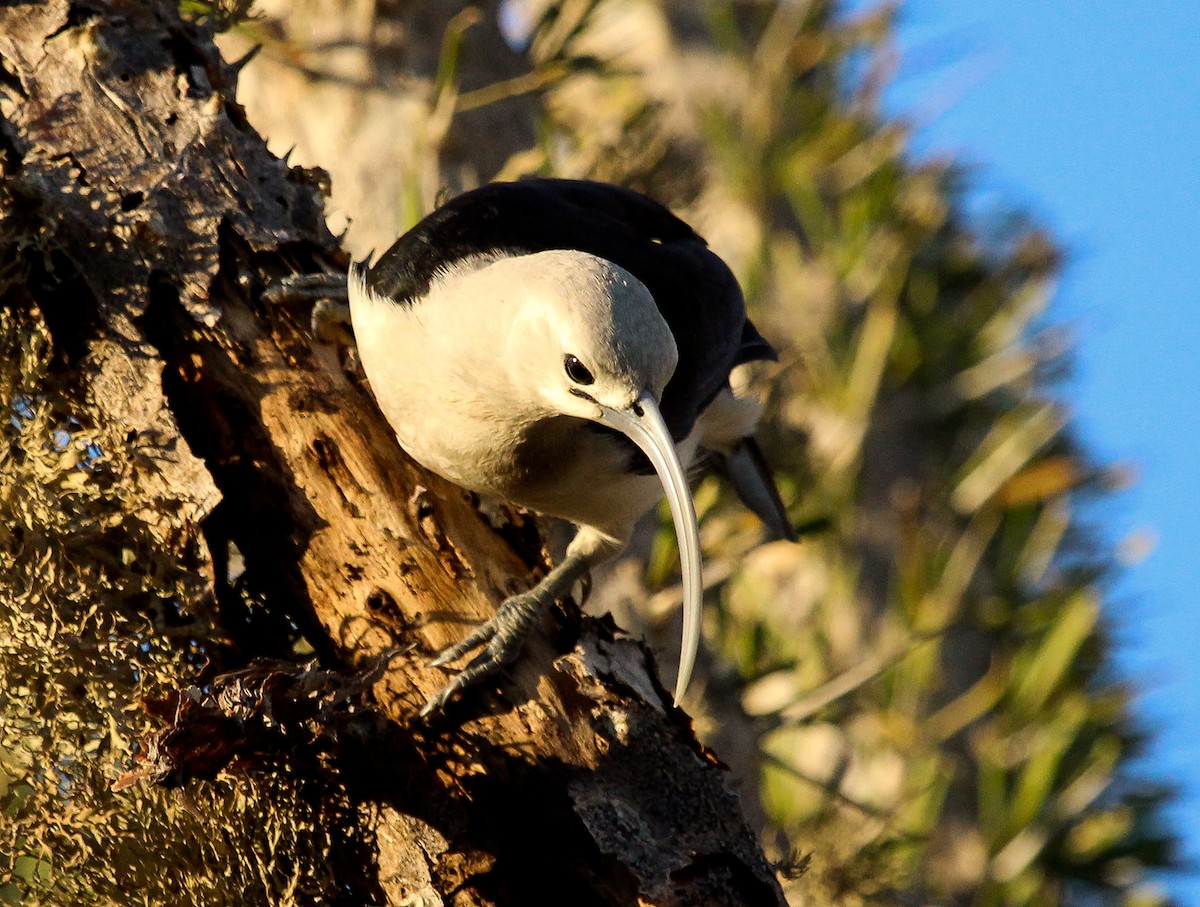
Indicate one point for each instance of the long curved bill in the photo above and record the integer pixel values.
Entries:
(643, 424)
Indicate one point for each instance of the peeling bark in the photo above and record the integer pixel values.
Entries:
(162, 218)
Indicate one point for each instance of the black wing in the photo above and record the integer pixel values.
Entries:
(696, 292)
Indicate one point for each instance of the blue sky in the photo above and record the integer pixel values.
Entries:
(1087, 114)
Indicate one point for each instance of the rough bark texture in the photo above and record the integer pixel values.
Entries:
(164, 218)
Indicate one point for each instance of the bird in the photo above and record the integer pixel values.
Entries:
(564, 345)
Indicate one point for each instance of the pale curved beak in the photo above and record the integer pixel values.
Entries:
(643, 424)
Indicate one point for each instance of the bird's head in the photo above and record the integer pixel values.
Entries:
(594, 332)
(588, 341)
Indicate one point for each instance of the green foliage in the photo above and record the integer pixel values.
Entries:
(991, 738)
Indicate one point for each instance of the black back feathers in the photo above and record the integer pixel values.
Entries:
(694, 289)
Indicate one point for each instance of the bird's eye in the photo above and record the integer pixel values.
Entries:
(577, 371)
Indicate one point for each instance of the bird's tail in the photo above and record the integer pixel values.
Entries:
(726, 439)
(747, 471)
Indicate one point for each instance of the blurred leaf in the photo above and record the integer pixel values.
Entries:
(973, 704)
(1092, 779)
(870, 358)
(1040, 773)
(1014, 440)
(1101, 830)
(1041, 668)
(1049, 478)
(1043, 541)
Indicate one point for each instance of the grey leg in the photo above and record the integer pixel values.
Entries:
(308, 287)
(328, 293)
(330, 316)
(504, 635)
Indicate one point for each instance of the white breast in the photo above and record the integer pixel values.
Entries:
(431, 368)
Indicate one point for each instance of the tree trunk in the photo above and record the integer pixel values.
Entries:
(150, 217)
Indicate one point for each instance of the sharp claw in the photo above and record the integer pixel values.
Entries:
(443, 657)
(483, 665)
(480, 635)
(438, 700)
(505, 634)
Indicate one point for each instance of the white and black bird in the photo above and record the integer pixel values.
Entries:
(564, 345)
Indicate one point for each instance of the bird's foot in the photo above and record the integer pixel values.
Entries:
(504, 636)
(328, 295)
(308, 288)
(329, 318)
